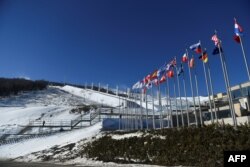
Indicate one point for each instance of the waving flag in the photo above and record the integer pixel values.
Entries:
(217, 50)
(163, 79)
(146, 79)
(184, 58)
(237, 38)
(170, 74)
(238, 30)
(191, 63)
(149, 85)
(161, 70)
(136, 85)
(180, 70)
(168, 67)
(204, 57)
(173, 62)
(217, 45)
(215, 39)
(153, 75)
(196, 47)
(156, 82)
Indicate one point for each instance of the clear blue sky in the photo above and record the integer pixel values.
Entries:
(116, 42)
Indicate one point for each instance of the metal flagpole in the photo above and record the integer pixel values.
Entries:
(185, 93)
(141, 109)
(160, 105)
(179, 91)
(124, 113)
(146, 99)
(243, 52)
(119, 114)
(208, 92)
(229, 90)
(132, 112)
(117, 90)
(127, 110)
(135, 113)
(212, 91)
(229, 96)
(176, 112)
(197, 93)
(245, 59)
(152, 94)
(169, 100)
(167, 114)
(192, 90)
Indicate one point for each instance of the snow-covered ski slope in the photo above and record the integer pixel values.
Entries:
(55, 103)
(98, 97)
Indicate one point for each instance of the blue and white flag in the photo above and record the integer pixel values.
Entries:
(196, 47)
(238, 30)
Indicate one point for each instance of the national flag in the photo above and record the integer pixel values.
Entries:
(180, 70)
(156, 82)
(215, 39)
(153, 75)
(237, 38)
(161, 70)
(141, 84)
(196, 47)
(136, 85)
(184, 58)
(217, 50)
(168, 67)
(204, 57)
(146, 79)
(238, 30)
(191, 63)
(173, 62)
(170, 74)
(149, 85)
(163, 79)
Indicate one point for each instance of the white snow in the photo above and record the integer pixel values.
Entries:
(99, 97)
(38, 144)
(127, 135)
(54, 104)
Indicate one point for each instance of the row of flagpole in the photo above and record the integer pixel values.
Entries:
(169, 73)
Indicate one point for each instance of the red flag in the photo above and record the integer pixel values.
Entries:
(170, 74)
(191, 63)
(184, 58)
(146, 79)
(163, 79)
(237, 38)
